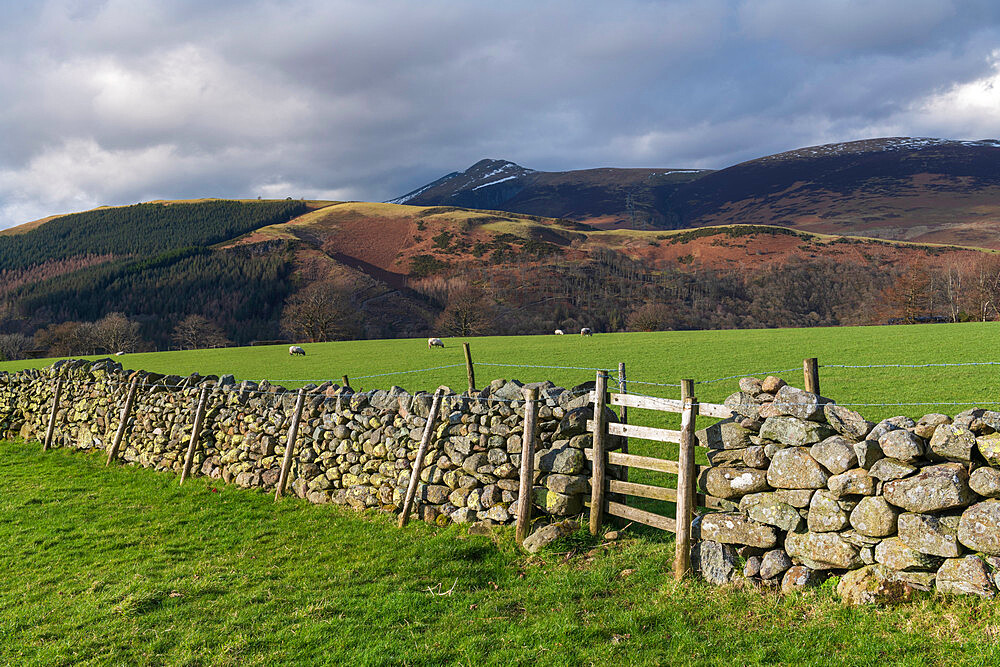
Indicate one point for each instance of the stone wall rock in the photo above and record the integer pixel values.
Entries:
(353, 448)
(906, 504)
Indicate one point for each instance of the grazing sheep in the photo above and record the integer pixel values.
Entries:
(295, 349)
(434, 342)
(586, 332)
(560, 332)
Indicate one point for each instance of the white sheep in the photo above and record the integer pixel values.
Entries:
(560, 332)
(586, 332)
(295, 349)
(118, 354)
(434, 342)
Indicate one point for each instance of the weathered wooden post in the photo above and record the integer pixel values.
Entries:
(418, 462)
(810, 370)
(50, 431)
(293, 431)
(346, 381)
(469, 368)
(600, 444)
(623, 388)
(199, 415)
(685, 481)
(126, 410)
(527, 464)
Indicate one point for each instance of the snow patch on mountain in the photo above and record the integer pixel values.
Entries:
(486, 185)
(875, 145)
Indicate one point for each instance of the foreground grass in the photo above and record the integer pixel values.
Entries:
(661, 357)
(120, 565)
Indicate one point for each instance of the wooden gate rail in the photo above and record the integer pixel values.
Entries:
(684, 497)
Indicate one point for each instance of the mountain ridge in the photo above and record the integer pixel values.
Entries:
(919, 189)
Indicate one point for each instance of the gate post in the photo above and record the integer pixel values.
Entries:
(623, 389)
(600, 437)
(685, 481)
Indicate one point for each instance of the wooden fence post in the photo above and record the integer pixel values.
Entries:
(810, 371)
(600, 437)
(685, 481)
(418, 462)
(527, 464)
(469, 368)
(199, 415)
(293, 431)
(346, 381)
(50, 431)
(126, 410)
(623, 388)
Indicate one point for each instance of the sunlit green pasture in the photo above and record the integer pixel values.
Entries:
(119, 565)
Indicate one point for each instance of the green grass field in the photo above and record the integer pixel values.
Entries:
(663, 357)
(121, 566)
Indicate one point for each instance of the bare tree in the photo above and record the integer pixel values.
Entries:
(195, 331)
(319, 312)
(651, 316)
(116, 333)
(470, 312)
(954, 292)
(910, 298)
(67, 338)
(14, 346)
(985, 288)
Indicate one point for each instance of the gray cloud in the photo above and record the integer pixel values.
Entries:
(125, 100)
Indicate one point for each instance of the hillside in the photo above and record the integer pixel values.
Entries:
(152, 261)
(403, 270)
(927, 190)
(912, 189)
(384, 240)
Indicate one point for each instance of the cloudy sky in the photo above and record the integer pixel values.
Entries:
(119, 101)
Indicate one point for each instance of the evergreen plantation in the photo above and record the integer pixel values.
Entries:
(142, 230)
(162, 267)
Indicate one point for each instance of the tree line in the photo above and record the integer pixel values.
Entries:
(613, 292)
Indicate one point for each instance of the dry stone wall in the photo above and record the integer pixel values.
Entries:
(811, 488)
(353, 448)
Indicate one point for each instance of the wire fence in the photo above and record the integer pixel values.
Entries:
(277, 384)
(123, 385)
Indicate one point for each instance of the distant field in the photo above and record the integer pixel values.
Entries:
(663, 357)
(120, 565)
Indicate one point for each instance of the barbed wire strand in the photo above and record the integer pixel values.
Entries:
(564, 368)
(654, 384)
(235, 388)
(122, 384)
(930, 365)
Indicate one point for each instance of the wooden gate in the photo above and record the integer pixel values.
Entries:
(684, 497)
